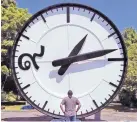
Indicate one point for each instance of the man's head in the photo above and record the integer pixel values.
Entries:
(70, 93)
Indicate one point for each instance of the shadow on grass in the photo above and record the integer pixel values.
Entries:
(40, 118)
(48, 118)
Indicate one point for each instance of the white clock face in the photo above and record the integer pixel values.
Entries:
(76, 37)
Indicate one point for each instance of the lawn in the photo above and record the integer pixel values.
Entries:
(12, 108)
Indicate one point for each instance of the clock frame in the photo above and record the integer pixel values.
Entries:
(66, 6)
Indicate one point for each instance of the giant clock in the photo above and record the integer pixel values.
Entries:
(69, 46)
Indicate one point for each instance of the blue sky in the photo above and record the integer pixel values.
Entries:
(122, 12)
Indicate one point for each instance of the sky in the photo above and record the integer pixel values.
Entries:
(122, 12)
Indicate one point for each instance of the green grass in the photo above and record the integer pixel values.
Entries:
(13, 108)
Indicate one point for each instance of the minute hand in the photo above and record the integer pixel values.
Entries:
(81, 57)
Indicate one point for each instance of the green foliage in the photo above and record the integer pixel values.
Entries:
(128, 98)
(4, 51)
(12, 19)
(11, 97)
(6, 3)
(4, 69)
(130, 36)
(7, 43)
(3, 96)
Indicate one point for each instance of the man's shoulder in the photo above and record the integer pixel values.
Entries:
(65, 98)
(74, 97)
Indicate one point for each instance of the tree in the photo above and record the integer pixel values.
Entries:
(12, 19)
(130, 37)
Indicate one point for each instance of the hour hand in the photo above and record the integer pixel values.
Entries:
(63, 69)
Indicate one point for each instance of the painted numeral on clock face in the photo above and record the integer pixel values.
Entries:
(43, 18)
(68, 15)
(26, 86)
(27, 63)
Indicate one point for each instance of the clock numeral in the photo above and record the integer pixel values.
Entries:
(44, 104)
(113, 84)
(43, 18)
(25, 36)
(95, 103)
(27, 64)
(92, 17)
(111, 35)
(68, 15)
(26, 86)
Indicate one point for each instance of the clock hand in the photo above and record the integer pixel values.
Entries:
(75, 51)
(81, 57)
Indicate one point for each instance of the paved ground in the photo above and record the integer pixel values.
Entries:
(108, 114)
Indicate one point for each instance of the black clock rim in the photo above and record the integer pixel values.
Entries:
(79, 6)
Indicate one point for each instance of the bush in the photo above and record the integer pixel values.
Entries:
(128, 98)
(11, 97)
(3, 96)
